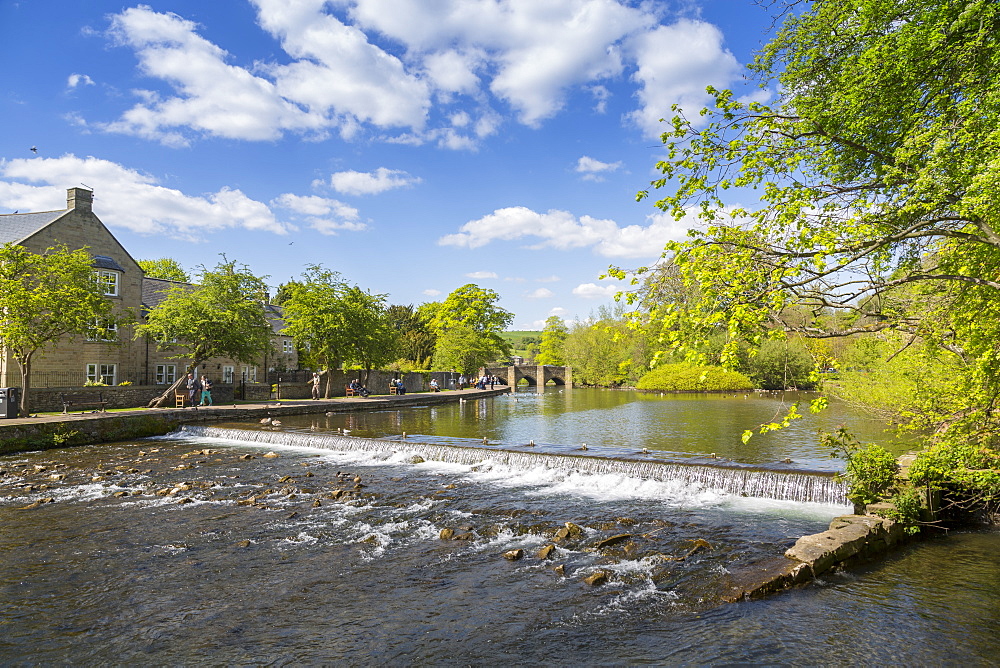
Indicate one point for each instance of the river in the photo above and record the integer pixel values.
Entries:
(254, 544)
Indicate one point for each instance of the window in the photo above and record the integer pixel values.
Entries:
(101, 330)
(250, 374)
(165, 374)
(227, 374)
(102, 373)
(286, 346)
(108, 280)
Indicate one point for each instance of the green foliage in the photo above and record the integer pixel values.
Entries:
(335, 323)
(690, 378)
(906, 509)
(877, 179)
(469, 317)
(552, 349)
(44, 298)
(463, 349)
(781, 364)
(607, 350)
(223, 316)
(414, 335)
(871, 471)
(969, 473)
(166, 268)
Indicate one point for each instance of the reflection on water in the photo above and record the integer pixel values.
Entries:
(187, 550)
(678, 426)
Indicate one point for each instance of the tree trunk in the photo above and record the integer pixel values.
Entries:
(167, 397)
(25, 365)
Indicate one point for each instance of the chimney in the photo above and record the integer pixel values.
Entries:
(80, 199)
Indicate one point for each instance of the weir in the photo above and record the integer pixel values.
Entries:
(802, 487)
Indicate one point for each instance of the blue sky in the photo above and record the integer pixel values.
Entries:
(412, 146)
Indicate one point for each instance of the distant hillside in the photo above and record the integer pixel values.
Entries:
(524, 342)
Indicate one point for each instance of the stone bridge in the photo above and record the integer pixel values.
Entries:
(534, 374)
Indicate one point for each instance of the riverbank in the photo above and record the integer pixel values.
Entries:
(87, 428)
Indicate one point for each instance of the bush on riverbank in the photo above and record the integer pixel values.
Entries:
(689, 378)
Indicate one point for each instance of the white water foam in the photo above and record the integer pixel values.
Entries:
(601, 477)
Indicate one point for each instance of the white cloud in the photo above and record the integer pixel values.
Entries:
(482, 274)
(371, 183)
(548, 279)
(676, 63)
(431, 292)
(594, 291)
(563, 231)
(211, 97)
(129, 199)
(327, 216)
(540, 293)
(405, 66)
(75, 80)
(559, 311)
(592, 169)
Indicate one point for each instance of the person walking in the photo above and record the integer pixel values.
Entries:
(206, 391)
(193, 387)
(315, 385)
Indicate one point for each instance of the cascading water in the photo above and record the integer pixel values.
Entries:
(739, 481)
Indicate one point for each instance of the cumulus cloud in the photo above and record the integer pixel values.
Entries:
(75, 80)
(431, 292)
(562, 230)
(326, 216)
(540, 293)
(595, 291)
(127, 198)
(371, 183)
(592, 169)
(675, 64)
(448, 72)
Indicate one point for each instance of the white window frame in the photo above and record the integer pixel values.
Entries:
(286, 346)
(106, 372)
(250, 373)
(227, 373)
(109, 335)
(166, 374)
(108, 280)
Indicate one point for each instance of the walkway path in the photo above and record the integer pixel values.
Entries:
(97, 427)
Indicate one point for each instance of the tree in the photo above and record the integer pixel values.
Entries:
(44, 298)
(373, 340)
(166, 268)
(877, 175)
(336, 323)
(552, 346)
(464, 349)
(415, 336)
(469, 309)
(222, 316)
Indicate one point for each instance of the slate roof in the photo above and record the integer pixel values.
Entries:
(105, 262)
(16, 227)
(154, 291)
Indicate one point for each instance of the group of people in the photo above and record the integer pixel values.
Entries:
(480, 383)
(199, 389)
(398, 384)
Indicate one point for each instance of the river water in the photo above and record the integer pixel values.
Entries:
(254, 544)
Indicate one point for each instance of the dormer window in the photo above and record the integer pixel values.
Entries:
(108, 280)
(108, 274)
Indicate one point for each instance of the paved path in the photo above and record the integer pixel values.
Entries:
(244, 411)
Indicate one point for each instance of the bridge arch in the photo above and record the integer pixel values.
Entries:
(535, 374)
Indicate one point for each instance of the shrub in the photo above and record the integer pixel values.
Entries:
(689, 378)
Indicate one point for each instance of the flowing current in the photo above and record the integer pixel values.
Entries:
(296, 545)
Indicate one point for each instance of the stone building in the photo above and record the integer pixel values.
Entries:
(71, 363)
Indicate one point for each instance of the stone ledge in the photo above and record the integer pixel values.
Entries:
(850, 538)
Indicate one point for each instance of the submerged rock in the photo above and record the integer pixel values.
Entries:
(596, 579)
(607, 542)
(546, 551)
